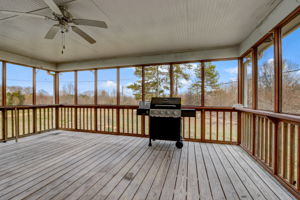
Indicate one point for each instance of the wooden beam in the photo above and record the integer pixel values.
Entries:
(118, 100)
(254, 78)
(118, 86)
(34, 99)
(95, 100)
(56, 96)
(278, 70)
(34, 86)
(143, 83)
(202, 84)
(95, 87)
(56, 88)
(4, 119)
(240, 80)
(3, 83)
(143, 125)
(171, 73)
(75, 98)
(76, 87)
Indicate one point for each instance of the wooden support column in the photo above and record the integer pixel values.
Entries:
(240, 96)
(171, 73)
(202, 84)
(34, 86)
(143, 99)
(96, 100)
(254, 96)
(118, 100)
(76, 88)
(34, 99)
(76, 99)
(254, 78)
(4, 119)
(240, 81)
(202, 101)
(278, 70)
(56, 100)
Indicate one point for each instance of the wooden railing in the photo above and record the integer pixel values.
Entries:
(20, 121)
(273, 139)
(210, 124)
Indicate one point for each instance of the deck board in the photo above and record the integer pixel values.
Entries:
(72, 165)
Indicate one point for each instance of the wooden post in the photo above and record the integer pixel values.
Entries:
(240, 80)
(118, 100)
(202, 101)
(17, 123)
(202, 124)
(254, 134)
(276, 150)
(56, 96)
(34, 99)
(254, 78)
(4, 119)
(202, 84)
(240, 97)
(278, 69)
(76, 87)
(34, 86)
(143, 99)
(95, 100)
(171, 80)
(75, 99)
(254, 96)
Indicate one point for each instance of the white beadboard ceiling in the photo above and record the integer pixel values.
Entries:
(136, 27)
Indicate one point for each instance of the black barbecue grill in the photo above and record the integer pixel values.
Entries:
(165, 118)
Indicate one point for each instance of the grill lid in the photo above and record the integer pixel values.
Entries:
(165, 103)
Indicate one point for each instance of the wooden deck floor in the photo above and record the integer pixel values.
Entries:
(70, 165)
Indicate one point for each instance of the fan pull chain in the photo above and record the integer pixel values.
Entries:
(63, 42)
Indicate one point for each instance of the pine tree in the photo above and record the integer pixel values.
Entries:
(179, 74)
(157, 80)
(210, 82)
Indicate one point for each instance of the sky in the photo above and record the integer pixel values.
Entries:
(22, 76)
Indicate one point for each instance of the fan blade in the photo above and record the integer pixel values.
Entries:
(52, 5)
(87, 22)
(22, 14)
(83, 34)
(52, 32)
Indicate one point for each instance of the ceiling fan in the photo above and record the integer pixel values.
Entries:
(64, 19)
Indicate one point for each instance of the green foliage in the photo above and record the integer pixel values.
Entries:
(15, 98)
(137, 86)
(210, 82)
(179, 74)
(157, 80)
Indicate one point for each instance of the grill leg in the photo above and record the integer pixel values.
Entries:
(150, 144)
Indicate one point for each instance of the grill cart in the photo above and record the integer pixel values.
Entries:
(165, 118)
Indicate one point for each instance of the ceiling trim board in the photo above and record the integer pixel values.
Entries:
(24, 60)
(151, 59)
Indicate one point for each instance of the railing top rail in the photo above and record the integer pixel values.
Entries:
(279, 116)
(27, 107)
(210, 108)
(198, 108)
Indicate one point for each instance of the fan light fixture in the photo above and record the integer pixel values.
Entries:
(64, 19)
